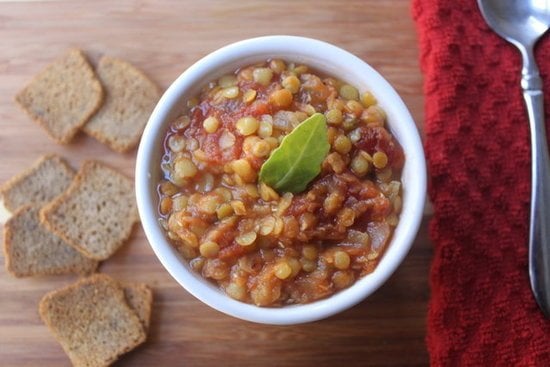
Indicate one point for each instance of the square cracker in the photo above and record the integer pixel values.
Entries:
(45, 179)
(96, 213)
(63, 96)
(130, 98)
(32, 250)
(92, 321)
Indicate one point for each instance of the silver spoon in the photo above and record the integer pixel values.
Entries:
(522, 23)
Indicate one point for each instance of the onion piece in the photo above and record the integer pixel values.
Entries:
(379, 233)
(227, 140)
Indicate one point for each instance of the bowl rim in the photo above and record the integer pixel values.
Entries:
(264, 47)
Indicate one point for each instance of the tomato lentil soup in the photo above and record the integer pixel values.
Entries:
(275, 248)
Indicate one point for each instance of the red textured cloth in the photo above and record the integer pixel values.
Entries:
(481, 312)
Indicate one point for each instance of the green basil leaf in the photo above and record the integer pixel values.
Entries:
(298, 159)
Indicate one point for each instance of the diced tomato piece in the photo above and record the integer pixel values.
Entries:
(259, 108)
(376, 138)
(212, 149)
(381, 208)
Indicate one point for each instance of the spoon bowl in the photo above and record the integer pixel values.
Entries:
(519, 22)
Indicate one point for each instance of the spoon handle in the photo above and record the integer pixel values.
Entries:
(539, 231)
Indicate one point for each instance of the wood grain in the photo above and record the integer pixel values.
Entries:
(163, 38)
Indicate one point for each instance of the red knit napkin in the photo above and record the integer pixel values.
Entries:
(482, 312)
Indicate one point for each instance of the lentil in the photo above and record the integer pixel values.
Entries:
(281, 98)
(261, 149)
(277, 65)
(380, 159)
(211, 124)
(247, 125)
(209, 249)
(349, 92)
(265, 129)
(249, 96)
(262, 76)
(334, 116)
(342, 144)
(360, 165)
(283, 270)
(368, 99)
(230, 92)
(176, 143)
(184, 167)
(291, 83)
(246, 239)
(341, 260)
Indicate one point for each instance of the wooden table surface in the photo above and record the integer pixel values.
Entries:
(163, 38)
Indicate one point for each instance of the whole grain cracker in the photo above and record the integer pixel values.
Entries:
(45, 179)
(63, 96)
(32, 250)
(96, 213)
(130, 99)
(92, 321)
(140, 299)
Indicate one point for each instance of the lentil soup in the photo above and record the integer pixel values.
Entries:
(269, 247)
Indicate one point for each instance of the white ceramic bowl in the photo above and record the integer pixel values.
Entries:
(327, 59)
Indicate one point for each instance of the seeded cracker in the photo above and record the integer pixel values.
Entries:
(47, 178)
(96, 213)
(130, 99)
(63, 96)
(32, 250)
(92, 321)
